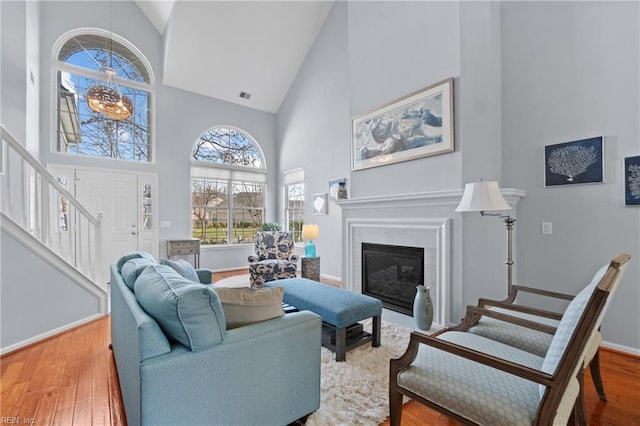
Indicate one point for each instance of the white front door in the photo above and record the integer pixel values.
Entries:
(115, 195)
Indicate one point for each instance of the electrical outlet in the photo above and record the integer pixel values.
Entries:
(547, 228)
(165, 224)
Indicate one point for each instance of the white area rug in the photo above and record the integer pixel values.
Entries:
(356, 392)
(234, 281)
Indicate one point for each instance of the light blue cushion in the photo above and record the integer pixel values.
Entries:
(182, 267)
(133, 255)
(534, 341)
(567, 326)
(188, 312)
(132, 269)
(473, 390)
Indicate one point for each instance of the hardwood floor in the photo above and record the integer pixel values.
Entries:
(71, 380)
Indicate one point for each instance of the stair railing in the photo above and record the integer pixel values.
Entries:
(41, 204)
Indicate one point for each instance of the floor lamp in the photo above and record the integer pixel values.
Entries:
(483, 197)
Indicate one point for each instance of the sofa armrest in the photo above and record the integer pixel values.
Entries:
(253, 259)
(263, 373)
(294, 258)
(205, 275)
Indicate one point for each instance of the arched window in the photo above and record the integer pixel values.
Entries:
(99, 63)
(227, 187)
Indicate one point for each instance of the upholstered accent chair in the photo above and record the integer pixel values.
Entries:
(274, 258)
(477, 380)
(534, 330)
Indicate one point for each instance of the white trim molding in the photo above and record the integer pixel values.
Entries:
(432, 234)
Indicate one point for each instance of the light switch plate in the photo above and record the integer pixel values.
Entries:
(547, 228)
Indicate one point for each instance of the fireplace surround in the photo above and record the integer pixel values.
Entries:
(426, 220)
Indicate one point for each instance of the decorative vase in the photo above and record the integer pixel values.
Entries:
(423, 308)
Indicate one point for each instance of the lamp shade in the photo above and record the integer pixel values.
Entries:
(482, 196)
(310, 231)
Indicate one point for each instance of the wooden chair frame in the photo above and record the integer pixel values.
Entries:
(556, 383)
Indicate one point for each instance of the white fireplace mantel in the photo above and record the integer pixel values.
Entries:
(431, 198)
(416, 220)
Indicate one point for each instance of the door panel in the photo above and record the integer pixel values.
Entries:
(115, 195)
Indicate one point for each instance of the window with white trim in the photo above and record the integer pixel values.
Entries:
(82, 62)
(294, 202)
(228, 187)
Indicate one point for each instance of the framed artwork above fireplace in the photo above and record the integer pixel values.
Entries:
(417, 125)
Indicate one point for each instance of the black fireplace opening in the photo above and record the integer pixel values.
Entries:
(391, 273)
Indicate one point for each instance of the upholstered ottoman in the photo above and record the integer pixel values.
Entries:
(338, 308)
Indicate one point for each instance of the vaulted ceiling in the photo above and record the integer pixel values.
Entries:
(223, 48)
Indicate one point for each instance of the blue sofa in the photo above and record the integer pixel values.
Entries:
(267, 373)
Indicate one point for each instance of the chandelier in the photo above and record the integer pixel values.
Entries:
(106, 98)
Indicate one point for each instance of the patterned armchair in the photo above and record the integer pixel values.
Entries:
(477, 380)
(274, 258)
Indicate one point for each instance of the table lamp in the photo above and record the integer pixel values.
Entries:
(310, 232)
(483, 197)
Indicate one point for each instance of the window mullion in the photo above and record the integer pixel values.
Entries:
(230, 215)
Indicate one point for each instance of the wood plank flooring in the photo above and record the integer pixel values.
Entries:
(71, 380)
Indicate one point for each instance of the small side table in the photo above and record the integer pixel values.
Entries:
(190, 246)
(310, 268)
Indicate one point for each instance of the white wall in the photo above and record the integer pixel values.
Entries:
(571, 70)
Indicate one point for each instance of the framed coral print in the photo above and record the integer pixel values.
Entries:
(319, 204)
(573, 163)
(417, 125)
(632, 181)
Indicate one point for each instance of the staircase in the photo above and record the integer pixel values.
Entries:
(50, 252)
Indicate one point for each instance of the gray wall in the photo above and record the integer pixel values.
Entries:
(571, 71)
(313, 130)
(396, 48)
(36, 297)
(526, 75)
(181, 117)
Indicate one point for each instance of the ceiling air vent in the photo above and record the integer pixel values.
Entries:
(245, 95)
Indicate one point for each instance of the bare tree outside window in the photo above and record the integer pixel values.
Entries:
(227, 210)
(295, 210)
(210, 210)
(227, 146)
(86, 132)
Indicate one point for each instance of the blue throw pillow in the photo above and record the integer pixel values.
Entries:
(188, 313)
(132, 269)
(133, 255)
(182, 267)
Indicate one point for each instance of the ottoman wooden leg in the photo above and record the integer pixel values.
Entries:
(341, 343)
(375, 330)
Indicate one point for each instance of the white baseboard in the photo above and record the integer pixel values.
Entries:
(50, 333)
(331, 277)
(621, 348)
(236, 268)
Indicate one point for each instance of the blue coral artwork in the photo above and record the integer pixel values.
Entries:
(573, 163)
(632, 181)
(417, 125)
